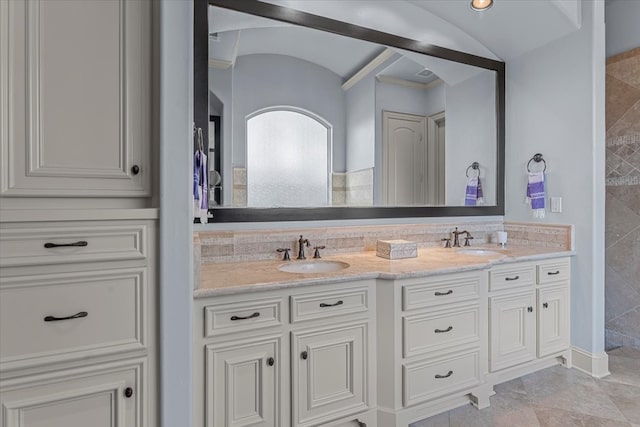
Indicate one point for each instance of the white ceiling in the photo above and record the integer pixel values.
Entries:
(510, 27)
(507, 30)
(239, 34)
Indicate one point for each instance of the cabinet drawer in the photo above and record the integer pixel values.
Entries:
(554, 271)
(328, 304)
(437, 291)
(104, 311)
(56, 245)
(511, 276)
(430, 379)
(242, 316)
(423, 333)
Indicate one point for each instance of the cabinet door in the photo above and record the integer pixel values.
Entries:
(553, 320)
(513, 329)
(75, 98)
(110, 399)
(242, 385)
(329, 374)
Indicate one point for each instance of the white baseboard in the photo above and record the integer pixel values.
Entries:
(596, 365)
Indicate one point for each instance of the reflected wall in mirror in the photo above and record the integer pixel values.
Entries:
(306, 118)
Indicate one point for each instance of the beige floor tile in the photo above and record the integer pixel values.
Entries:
(633, 353)
(625, 397)
(506, 410)
(562, 388)
(625, 370)
(552, 417)
(441, 420)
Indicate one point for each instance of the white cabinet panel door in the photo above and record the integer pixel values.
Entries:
(513, 329)
(75, 98)
(110, 399)
(242, 386)
(329, 373)
(553, 320)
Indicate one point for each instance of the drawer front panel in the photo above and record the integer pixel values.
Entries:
(440, 291)
(511, 276)
(70, 316)
(41, 246)
(554, 271)
(328, 304)
(430, 379)
(242, 316)
(424, 333)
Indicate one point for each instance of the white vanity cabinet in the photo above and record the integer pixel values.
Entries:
(75, 94)
(529, 312)
(77, 323)
(300, 357)
(77, 244)
(432, 345)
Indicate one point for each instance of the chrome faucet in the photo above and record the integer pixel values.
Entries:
(301, 243)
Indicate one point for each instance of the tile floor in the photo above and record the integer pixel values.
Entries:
(559, 397)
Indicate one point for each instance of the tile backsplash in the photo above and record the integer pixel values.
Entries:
(254, 245)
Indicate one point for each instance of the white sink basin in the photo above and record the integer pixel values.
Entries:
(311, 267)
(479, 252)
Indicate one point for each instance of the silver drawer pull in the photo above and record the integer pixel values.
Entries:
(440, 331)
(440, 294)
(512, 278)
(256, 314)
(323, 304)
(74, 316)
(553, 273)
(438, 376)
(81, 243)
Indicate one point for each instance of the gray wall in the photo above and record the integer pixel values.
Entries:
(623, 25)
(360, 109)
(471, 136)
(174, 97)
(555, 106)
(260, 81)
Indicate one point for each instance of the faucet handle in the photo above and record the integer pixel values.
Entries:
(316, 254)
(286, 256)
(466, 240)
(448, 240)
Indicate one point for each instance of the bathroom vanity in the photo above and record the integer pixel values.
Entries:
(380, 343)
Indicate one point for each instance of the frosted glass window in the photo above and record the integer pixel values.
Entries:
(287, 160)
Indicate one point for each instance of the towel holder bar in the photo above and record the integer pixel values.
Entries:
(537, 158)
(475, 166)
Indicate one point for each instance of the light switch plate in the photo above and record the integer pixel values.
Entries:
(556, 204)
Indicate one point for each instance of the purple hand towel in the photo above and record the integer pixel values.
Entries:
(535, 193)
(200, 185)
(473, 194)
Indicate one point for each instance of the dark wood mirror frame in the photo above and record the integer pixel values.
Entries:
(292, 16)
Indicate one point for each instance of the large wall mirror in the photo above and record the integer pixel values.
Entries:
(311, 118)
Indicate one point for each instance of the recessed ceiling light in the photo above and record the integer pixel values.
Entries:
(480, 5)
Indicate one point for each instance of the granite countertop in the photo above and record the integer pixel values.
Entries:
(251, 276)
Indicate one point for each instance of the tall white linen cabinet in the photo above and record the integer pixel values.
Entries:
(77, 223)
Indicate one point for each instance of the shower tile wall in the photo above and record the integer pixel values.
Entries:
(622, 281)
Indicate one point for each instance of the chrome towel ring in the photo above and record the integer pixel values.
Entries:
(475, 166)
(537, 158)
